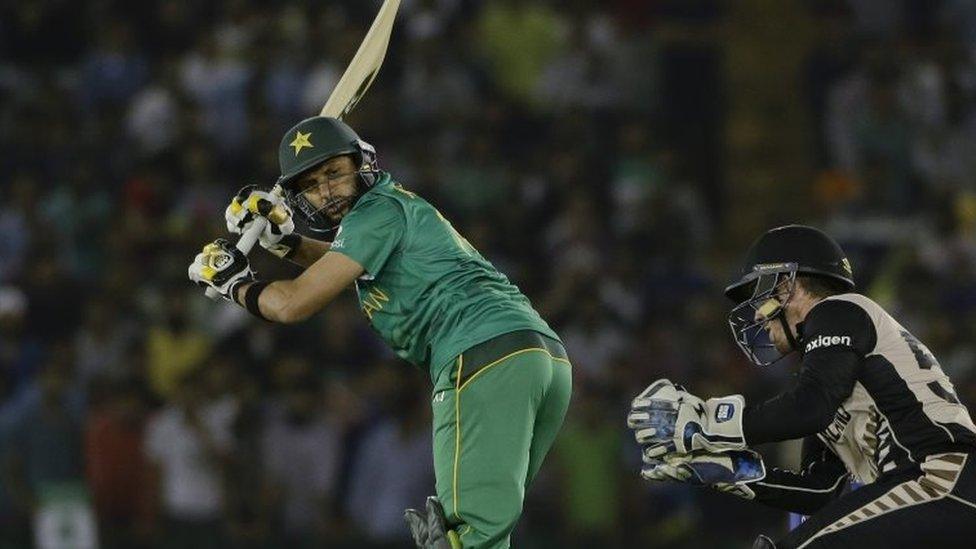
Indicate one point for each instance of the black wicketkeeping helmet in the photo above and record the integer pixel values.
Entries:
(772, 263)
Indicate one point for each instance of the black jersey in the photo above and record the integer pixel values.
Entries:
(870, 392)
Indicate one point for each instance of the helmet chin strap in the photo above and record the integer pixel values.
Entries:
(794, 344)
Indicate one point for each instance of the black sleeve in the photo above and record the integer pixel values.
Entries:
(822, 478)
(836, 336)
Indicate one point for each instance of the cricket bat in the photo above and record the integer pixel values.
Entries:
(360, 73)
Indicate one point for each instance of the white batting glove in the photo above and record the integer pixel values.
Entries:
(248, 204)
(667, 419)
(222, 267)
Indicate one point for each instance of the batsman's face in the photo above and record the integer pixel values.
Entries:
(331, 187)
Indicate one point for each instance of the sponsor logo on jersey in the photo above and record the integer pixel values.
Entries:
(724, 412)
(827, 341)
(336, 241)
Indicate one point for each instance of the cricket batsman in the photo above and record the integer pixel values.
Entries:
(501, 377)
(871, 404)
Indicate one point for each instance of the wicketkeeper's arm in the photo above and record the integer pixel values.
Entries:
(837, 335)
(821, 479)
(826, 379)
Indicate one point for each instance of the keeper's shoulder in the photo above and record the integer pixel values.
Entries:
(848, 320)
(854, 306)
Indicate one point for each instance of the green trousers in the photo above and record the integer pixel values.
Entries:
(497, 411)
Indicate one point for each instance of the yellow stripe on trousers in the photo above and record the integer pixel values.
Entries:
(458, 387)
(457, 433)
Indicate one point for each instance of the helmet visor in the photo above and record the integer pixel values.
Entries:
(315, 200)
(749, 321)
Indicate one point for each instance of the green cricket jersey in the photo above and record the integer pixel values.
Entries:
(426, 290)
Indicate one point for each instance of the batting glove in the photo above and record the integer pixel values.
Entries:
(667, 419)
(248, 204)
(728, 471)
(222, 267)
(429, 528)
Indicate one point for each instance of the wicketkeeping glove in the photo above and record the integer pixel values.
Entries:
(667, 419)
(429, 527)
(727, 471)
(248, 204)
(222, 267)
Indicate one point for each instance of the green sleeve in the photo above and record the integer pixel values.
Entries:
(371, 233)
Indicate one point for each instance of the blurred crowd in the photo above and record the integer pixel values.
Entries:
(581, 146)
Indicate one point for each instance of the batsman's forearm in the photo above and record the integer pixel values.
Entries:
(278, 302)
(309, 251)
(295, 300)
(273, 301)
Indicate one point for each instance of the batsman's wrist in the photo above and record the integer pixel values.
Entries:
(237, 292)
(251, 298)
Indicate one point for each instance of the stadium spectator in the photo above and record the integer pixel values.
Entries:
(41, 441)
(187, 444)
(302, 453)
(383, 484)
(116, 466)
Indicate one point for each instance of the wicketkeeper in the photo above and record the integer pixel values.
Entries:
(501, 376)
(871, 403)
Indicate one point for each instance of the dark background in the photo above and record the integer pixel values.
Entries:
(614, 158)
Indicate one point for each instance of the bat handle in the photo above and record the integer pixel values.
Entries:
(248, 239)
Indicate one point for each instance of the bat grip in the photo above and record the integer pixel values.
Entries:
(248, 240)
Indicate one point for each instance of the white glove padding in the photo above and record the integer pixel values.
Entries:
(248, 204)
(706, 468)
(738, 489)
(222, 267)
(667, 419)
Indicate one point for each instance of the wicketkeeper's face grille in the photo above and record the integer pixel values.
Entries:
(750, 320)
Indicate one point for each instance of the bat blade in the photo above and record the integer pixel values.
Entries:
(365, 65)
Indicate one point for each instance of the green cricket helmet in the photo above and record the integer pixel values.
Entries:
(312, 142)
